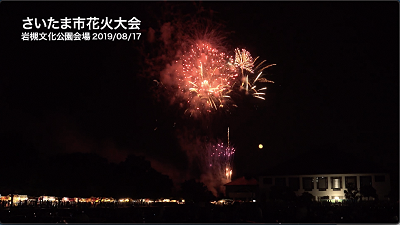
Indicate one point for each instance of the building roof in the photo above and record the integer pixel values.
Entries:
(242, 182)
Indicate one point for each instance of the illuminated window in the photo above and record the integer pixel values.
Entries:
(294, 183)
(322, 183)
(308, 184)
(379, 178)
(336, 183)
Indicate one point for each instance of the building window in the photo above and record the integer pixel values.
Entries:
(380, 178)
(365, 181)
(322, 183)
(351, 182)
(308, 183)
(336, 183)
(267, 180)
(280, 181)
(294, 183)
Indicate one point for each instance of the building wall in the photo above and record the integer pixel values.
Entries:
(382, 187)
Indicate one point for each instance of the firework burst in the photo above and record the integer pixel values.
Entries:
(207, 78)
(251, 73)
(243, 60)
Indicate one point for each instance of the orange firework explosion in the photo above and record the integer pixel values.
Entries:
(207, 78)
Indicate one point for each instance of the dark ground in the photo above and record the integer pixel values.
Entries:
(367, 212)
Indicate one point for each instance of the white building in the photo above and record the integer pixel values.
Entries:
(327, 186)
(314, 173)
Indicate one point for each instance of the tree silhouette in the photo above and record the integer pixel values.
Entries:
(196, 191)
(352, 193)
(368, 191)
(306, 198)
(136, 178)
(18, 164)
(75, 174)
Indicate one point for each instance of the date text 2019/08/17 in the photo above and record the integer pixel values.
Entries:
(115, 36)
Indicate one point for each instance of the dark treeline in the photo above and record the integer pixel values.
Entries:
(25, 171)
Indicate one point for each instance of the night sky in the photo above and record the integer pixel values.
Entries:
(336, 83)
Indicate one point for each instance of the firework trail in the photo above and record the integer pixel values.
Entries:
(251, 73)
(206, 78)
(220, 160)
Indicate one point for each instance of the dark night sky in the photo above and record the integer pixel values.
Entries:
(336, 83)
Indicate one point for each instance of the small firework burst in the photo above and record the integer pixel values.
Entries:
(251, 73)
(243, 60)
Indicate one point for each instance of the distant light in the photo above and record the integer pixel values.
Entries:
(254, 200)
(260, 146)
(336, 198)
